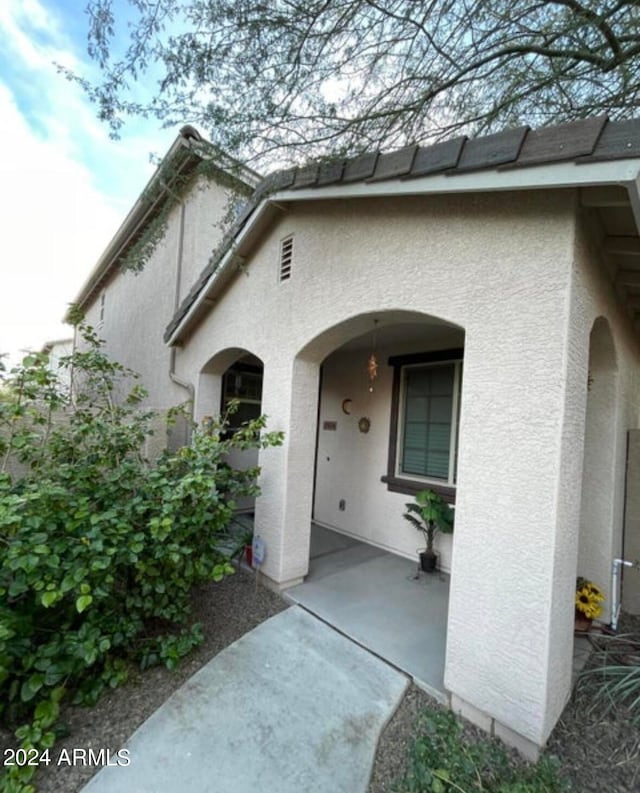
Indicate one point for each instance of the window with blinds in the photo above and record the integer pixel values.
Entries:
(423, 426)
(428, 422)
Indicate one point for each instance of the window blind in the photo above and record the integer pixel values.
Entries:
(428, 411)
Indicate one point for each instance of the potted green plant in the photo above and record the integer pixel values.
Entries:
(429, 513)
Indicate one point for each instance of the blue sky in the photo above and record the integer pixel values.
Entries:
(65, 186)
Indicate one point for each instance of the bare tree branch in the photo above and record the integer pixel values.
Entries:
(336, 76)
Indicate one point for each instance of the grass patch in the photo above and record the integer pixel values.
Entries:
(444, 759)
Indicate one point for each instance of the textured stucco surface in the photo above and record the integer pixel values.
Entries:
(598, 519)
(350, 463)
(592, 306)
(517, 277)
(612, 405)
(497, 266)
(631, 586)
(206, 205)
(137, 307)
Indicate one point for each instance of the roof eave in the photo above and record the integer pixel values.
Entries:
(633, 187)
(553, 175)
(621, 173)
(138, 214)
(260, 217)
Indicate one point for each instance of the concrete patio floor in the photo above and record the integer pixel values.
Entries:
(380, 601)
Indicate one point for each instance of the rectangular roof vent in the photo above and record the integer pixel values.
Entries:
(286, 258)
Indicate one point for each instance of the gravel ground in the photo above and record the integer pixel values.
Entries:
(227, 611)
(599, 751)
(598, 746)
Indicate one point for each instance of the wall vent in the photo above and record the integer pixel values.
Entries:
(103, 297)
(286, 258)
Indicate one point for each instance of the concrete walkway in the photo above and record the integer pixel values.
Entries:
(292, 706)
(381, 602)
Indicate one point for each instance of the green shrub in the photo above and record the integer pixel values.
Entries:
(443, 759)
(99, 550)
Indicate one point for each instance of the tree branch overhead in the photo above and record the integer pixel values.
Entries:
(333, 77)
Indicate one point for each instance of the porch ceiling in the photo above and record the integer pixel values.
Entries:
(620, 243)
(393, 334)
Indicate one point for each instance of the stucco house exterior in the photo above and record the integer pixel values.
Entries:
(55, 350)
(496, 282)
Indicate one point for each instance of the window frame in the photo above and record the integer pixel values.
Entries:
(239, 368)
(410, 484)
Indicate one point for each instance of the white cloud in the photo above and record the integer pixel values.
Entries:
(55, 223)
(14, 17)
(64, 184)
(32, 36)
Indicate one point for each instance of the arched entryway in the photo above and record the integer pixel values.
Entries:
(387, 403)
(600, 528)
(388, 417)
(293, 393)
(230, 384)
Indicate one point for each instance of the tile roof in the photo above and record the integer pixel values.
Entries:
(588, 140)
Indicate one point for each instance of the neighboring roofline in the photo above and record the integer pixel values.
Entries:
(186, 152)
(49, 344)
(621, 173)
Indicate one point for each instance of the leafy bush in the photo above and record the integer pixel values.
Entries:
(99, 550)
(444, 759)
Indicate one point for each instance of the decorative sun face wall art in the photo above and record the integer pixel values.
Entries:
(364, 425)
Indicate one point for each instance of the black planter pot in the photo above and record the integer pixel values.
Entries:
(428, 561)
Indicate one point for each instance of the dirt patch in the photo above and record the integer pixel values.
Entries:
(598, 741)
(226, 610)
(598, 747)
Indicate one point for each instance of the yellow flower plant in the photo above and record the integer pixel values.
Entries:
(588, 598)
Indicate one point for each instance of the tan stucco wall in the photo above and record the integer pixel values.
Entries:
(499, 266)
(588, 515)
(613, 405)
(138, 307)
(631, 584)
(524, 285)
(206, 208)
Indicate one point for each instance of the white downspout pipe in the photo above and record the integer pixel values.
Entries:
(616, 566)
(189, 387)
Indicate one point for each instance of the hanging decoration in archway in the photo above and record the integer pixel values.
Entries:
(372, 363)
